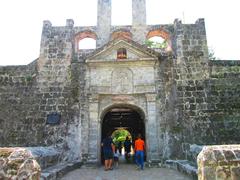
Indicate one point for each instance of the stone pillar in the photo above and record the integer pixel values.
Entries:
(93, 139)
(46, 31)
(138, 12)
(75, 135)
(69, 23)
(139, 20)
(190, 46)
(152, 131)
(103, 22)
(52, 49)
(84, 138)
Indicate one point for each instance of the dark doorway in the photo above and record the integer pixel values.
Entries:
(123, 118)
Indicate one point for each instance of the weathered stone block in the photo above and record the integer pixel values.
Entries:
(18, 163)
(235, 173)
(223, 173)
(218, 162)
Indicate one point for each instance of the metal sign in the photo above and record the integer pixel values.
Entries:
(53, 118)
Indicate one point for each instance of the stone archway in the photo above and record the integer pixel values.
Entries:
(125, 116)
(142, 107)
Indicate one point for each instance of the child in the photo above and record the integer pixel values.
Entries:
(116, 159)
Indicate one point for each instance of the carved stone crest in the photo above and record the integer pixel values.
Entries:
(122, 81)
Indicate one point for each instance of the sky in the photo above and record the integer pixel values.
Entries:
(22, 20)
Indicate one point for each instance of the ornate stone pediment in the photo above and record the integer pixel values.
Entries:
(110, 52)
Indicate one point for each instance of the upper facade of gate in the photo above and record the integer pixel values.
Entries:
(138, 32)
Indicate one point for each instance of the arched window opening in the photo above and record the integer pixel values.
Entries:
(159, 39)
(85, 40)
(157, 42)
(87, 43)
(122, 53)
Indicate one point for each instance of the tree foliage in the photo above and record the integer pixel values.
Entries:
(120, 135)
(211, 55)
(155, 44)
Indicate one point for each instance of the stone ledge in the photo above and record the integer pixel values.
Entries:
(45, 156)
(56, 172)
(153, 163)
(183, 166)
(224, 62)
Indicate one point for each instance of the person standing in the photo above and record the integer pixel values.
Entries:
(120, 148)
(116, 159)
(108, 149)
(139, 147)
(127, 147)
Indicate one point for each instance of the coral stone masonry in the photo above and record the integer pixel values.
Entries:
(71, 98)
(219, 162)
(18, 163)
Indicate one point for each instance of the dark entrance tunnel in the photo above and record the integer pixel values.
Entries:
(123, 118)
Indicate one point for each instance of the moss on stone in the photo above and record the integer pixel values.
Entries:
(12, 172)
(28, 78)
(176, 129)
(13, 135)
(75, 94)
(5, 153)
(15, 164)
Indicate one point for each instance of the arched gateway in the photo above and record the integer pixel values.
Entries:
(122, 93)
(123, 116)
(135, 113)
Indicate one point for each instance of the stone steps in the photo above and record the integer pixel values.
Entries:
(57, 171)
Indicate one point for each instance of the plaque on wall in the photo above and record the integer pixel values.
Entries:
(53, 118)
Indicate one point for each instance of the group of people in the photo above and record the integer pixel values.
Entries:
(118, 150)
(110, 151)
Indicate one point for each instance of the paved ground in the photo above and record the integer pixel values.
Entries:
(125, 172)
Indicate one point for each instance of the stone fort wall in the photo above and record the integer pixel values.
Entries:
(197, 99)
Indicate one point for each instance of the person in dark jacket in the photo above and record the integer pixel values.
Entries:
(127, 147)
(108, 149)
